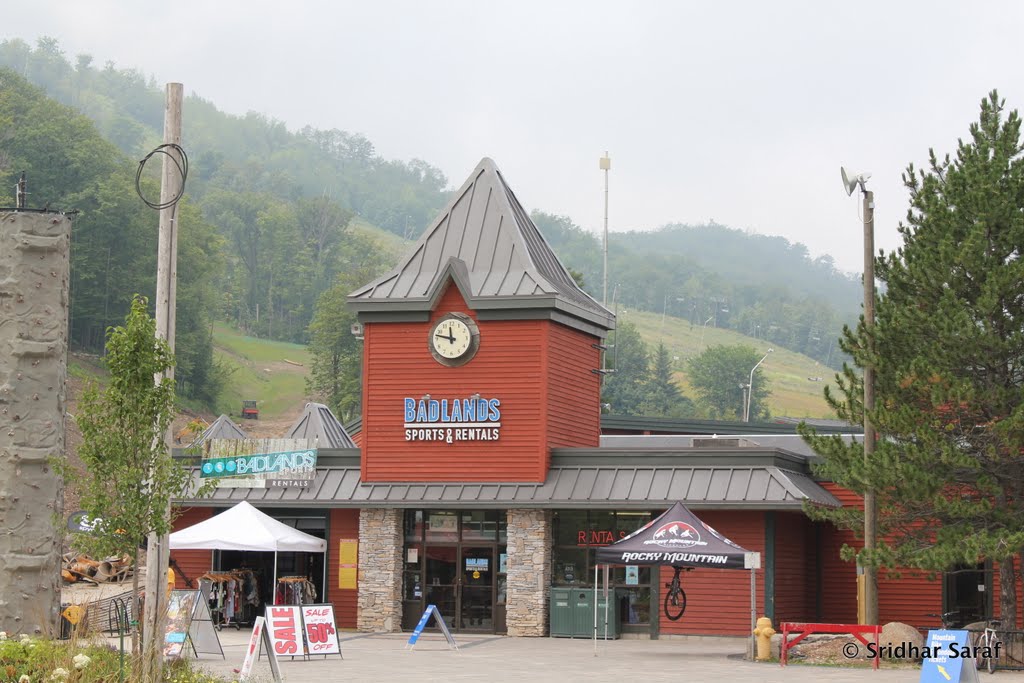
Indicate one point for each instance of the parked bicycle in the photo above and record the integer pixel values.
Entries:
(988, 646)
(675, 598)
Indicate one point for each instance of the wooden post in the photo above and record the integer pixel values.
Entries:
(870, 520)
(158, 553)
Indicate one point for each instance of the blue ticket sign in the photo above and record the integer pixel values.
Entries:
(948, 658)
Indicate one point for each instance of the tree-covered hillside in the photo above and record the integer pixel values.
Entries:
(764, 287)
(269, 211)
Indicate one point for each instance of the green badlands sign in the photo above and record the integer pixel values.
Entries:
(259, 463)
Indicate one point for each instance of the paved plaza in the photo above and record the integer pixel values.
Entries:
(385, 657)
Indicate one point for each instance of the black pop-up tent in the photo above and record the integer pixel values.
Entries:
(677, 538)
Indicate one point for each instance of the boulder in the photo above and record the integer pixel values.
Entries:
(776, 646)
(896, 633)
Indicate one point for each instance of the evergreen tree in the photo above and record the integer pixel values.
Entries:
(948, 352)
(624, 389)
(664, 397)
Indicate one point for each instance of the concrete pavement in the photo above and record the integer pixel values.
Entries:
(482, 659)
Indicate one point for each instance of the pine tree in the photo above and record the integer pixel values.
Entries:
(664, 398)
(628, 359)
(948, 352)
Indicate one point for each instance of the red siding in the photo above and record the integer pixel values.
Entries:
(909, 598)
(538, 369)
(718, 600)
(574, 389)
(794, 588)
(194, 563)
(344, 524)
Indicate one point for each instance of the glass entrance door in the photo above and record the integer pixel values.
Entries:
(441, 580)
(477, 570)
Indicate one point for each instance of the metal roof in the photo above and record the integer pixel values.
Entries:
(654, 480)
(487, 244)
(668, 425)
(317, 422)
(791, 443)
(221, 428)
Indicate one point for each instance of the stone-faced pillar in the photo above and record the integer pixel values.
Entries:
(34, 266)
(529, 572)
(380, 570)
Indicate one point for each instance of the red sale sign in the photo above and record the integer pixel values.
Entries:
(285, 628)
(321, 632)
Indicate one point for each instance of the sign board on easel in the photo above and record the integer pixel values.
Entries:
(180, 607)
(431, 610)
(946, 662)
(321, 631)
(259, 636)
(201, 632)
(284, 626)
(189, 620)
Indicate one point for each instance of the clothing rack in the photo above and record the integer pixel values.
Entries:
(233, 596)
(294, 590)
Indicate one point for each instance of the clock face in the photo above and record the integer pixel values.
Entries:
(454, 339)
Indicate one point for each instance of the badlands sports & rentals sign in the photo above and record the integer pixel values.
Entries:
(452, 419)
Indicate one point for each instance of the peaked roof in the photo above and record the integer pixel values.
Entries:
(486, 243)
(221, 428)
(677, 538)
(318, 422)
(243, 527)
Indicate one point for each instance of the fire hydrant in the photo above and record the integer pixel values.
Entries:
(764, 633)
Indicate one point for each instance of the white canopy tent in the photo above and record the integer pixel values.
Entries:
(243, 527)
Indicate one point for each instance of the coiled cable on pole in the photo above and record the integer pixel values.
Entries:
(182, 170)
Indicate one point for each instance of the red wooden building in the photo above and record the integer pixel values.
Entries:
(482, 474)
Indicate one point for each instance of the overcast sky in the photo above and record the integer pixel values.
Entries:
(738, 112)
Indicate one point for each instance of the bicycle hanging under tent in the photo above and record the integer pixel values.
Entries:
(677, 538)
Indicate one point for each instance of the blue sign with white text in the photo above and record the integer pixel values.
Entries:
(946, 652)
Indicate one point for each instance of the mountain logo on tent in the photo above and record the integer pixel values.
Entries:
(676, 535)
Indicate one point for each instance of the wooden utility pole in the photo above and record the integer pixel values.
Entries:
(870, 604)
(158, 552)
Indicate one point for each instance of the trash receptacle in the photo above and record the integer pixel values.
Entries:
(582, 612)
(561, 613)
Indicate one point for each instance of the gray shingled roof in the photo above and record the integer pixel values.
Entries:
(654, 481)
(221, 428)
(317, 422)
(486, 243)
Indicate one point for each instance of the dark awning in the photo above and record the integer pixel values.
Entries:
(676, 538)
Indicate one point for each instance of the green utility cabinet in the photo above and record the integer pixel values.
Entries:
(572, 613)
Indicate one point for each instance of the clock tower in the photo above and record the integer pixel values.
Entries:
(480, 351)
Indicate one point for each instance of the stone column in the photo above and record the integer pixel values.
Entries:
(380, 570)
(529, 572)
(34, 268)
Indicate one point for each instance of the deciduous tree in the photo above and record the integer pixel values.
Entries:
(129, 477)
(719, 376)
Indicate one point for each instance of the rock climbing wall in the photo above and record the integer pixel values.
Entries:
(34, 267)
